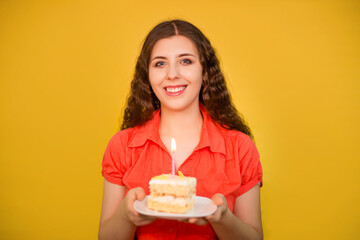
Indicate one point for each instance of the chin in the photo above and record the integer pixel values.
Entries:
(180, 106)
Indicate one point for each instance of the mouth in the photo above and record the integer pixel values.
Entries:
(175, 90)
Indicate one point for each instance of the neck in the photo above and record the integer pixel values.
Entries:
(179, 123)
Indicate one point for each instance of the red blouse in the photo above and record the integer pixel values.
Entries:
(225, 161)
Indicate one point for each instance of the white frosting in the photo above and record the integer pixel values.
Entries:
(171, 182)
(174, 180)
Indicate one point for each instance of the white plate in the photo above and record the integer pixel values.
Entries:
(203, 207)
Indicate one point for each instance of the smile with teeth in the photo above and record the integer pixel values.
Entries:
(174, 89)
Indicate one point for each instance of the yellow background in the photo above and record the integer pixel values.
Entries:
(293, 68)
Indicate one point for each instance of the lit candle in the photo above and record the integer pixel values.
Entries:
(173, 150)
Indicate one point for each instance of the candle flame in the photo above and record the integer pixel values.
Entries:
(173, 145)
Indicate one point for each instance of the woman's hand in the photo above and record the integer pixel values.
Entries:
(222, 209)
(128, 211)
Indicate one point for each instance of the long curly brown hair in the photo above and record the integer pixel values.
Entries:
(214, 94)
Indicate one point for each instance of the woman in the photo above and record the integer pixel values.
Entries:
(178, 91)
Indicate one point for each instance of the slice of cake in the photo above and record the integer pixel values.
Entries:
(171, 193)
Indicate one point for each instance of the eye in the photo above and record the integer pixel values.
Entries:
(186, 61)
(159, 64)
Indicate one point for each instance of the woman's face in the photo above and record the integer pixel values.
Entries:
(175, 73)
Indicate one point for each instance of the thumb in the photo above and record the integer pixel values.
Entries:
(134, 194)
(139, 193)
(218, 199)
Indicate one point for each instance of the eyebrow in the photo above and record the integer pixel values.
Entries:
(181, 55)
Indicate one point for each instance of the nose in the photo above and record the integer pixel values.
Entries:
(173, 72)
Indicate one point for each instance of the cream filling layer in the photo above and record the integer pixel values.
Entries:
(173, 200)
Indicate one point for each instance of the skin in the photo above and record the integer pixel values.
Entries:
(174, 65)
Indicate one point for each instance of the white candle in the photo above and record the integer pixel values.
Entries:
(173, 150)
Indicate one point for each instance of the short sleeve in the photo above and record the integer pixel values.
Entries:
(114, 160)
(250, 166)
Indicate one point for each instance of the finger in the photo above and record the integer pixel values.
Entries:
(214, 216)
(209, 218)
(198, 221)
(191, 220)
(144, 222)
(140, 193)
(218, 199)
(183, 220)
(132, 195)
(147, 218)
